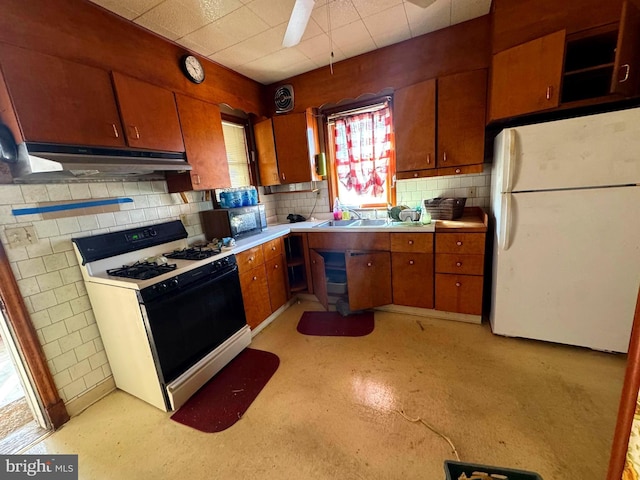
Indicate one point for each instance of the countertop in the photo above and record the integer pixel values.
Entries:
(473, 220)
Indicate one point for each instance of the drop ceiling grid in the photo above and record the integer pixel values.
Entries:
(246, 35)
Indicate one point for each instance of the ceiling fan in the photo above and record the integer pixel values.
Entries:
(302, 12)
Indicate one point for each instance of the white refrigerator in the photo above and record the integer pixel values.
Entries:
(565, 202)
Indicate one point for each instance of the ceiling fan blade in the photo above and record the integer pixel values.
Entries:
(421, 3)
(298, 22)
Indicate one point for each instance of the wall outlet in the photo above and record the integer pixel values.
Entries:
(471, 192)
(21, 236)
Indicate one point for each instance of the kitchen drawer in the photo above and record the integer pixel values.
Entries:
(459, 293)
(470, 243)
(412, 242)
(349, 241)
(272, 248)
(249, 259)
(460, 264)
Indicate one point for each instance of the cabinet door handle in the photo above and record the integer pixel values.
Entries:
(255, 278)
(276, 266)
(410, 242)
(458, 284)
(369, 264)
(459, 243)
(626, 73)
(135, 129)
(313, 261)
(196, 179)
(428, 158)
(549, 92)
(284, 177)
(115, 130)
(411, 262)
(458, 264)
(444, 157)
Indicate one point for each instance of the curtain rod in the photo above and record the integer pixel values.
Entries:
(366, 109)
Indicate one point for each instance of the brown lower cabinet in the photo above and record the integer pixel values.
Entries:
(412, 279)
(263, 280)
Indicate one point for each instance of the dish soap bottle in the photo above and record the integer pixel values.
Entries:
(425, 216)
(337, 211)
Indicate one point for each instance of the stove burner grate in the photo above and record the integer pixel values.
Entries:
(141, 270)
(193, 253)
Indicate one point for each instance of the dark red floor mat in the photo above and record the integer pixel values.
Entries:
(332, 324)
(224, 399)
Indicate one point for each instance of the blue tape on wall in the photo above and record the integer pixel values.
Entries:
(69, 206)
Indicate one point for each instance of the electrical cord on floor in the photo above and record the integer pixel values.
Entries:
(419, 420)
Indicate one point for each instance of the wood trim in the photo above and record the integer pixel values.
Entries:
(628, 401)
(29, 345)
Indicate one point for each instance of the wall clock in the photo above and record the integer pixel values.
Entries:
(192, 68)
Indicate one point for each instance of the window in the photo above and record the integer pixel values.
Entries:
(235, 142)
(362, 156)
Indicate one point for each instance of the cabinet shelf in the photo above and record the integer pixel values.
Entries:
(294, 262)
(593, 68)
(298, 286)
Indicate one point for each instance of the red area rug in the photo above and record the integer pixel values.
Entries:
(332, 324)
(222, 401)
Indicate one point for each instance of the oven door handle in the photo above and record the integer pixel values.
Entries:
(196, 284)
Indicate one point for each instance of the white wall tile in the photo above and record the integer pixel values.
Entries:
(85, 350)
(10, 195)
(58, 192)
(56, 261)
(30, 268)
(33, 193)
(68, 225)
(66, 293)
(60, 312)
(54, 331)
(79, 191)
(98, 359)
(88, 222)
(76, 322)
(74, 389)
(49, 281)
(28, 286)
(69, 342)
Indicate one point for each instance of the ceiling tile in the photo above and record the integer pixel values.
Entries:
(137, 6)
(316, 46)
(154, 27)
(388, 21)
(312, 30)
(463, 10)
(342, 13)
(280, 60)
(323, 59)
(251, 49)
(353, 34)
(229, 30)
(193, 46)
(389, 38)
(173, 16)
(274, 13)
(425, 20)
(119, 7)
(367, 8)
(212, 9)
(357, 48)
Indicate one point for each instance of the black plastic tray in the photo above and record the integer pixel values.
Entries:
(455, 469)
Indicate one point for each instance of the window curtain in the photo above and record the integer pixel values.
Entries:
(363, 151)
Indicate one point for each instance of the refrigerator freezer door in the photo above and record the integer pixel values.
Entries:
(591, 151)
(572, 270)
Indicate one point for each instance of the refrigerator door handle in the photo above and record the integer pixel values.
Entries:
(510, 154)
(504, 235)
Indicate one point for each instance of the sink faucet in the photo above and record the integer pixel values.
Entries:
(357, 215)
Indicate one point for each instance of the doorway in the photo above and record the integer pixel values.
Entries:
(21, 420)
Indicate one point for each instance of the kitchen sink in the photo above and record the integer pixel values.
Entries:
(335, 223)
(369, 222)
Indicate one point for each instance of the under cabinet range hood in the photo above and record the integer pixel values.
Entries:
(50, 163)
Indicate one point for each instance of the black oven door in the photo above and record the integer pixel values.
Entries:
(187, 324)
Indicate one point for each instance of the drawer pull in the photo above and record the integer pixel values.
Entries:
(410, 242)
(458, 170)
(459, 243)
(313, 261)
(255, 278)
(458, 264)
(273, 248)
(251, 259)
(276, 266)
(415, 175)
(410, 262)
(369, 264)
(458, 284)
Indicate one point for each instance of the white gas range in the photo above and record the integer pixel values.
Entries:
(168, 324)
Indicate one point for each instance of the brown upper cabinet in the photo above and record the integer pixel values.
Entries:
(287, 145)
(526, 78)
(149, 114)
(453, 137)
(201, 124)
(58, 101)
(584, 67)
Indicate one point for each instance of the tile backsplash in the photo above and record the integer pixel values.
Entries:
(48, 275)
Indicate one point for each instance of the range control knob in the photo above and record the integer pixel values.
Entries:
(173, 282)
